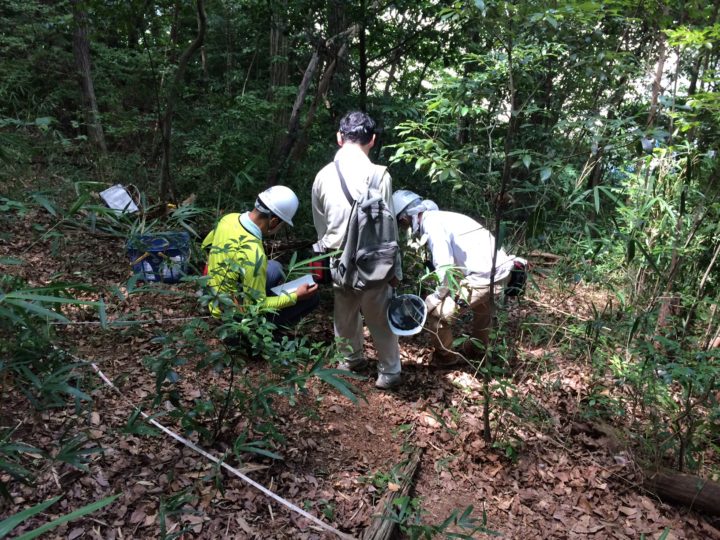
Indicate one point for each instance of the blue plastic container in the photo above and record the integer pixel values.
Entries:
(159, 256)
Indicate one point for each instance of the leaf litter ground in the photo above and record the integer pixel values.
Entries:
(550, 473)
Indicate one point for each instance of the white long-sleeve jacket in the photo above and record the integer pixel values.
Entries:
(458, 240)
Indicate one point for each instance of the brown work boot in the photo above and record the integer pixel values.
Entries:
(471, 350)
(444, 359)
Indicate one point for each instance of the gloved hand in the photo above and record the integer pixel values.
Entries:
(442, 308)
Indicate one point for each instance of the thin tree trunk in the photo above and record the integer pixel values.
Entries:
(81, 50)
(228, 54)
(203, 57)
(513, 128)
(167, 183)
(291, 135)
(137, 28)
(320, 94)
(657, 83)
(337, 23)
(391, 77)
(362, 53)
(278, 54)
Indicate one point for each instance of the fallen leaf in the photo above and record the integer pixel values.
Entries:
(138, 516)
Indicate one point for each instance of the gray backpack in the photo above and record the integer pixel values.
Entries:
(369, 248)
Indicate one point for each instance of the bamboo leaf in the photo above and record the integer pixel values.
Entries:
(38, 310)
(13, 521)
(80, 512)
(43, 201)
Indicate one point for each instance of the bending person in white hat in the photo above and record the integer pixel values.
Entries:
(458, 244)
(239, 270)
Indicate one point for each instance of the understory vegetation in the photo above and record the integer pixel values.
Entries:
(584, 135)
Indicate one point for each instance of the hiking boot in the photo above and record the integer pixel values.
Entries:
(386, 381)
(470, 350)
(445, 359)
(353, 364)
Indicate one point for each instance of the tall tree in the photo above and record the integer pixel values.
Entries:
(81, 50)
(167, 184)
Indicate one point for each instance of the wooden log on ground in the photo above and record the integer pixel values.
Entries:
(692, 491)
(380, 528)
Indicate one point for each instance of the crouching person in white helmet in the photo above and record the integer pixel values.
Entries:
(456, 242)
(237, 262)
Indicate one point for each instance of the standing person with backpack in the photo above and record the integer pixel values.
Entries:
(352, 211)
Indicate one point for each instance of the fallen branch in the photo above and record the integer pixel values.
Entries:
(686, 489)
(382, 528)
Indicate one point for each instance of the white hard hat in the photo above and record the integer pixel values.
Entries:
(406, 314)
(402, 198)
(281, 201)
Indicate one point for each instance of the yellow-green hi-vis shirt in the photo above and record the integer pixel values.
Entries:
(237, 262)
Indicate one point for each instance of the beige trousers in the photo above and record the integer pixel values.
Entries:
(352, 309)
(478, 298)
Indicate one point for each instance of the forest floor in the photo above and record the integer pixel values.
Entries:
(552, 472)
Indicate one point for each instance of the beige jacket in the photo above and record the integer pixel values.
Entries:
(330, 207)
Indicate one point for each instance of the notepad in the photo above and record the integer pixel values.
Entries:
(291, 286)
(117, 198)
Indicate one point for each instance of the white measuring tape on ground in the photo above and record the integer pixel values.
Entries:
(125, 322)
(212, 458)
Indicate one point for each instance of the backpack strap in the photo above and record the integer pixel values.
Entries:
(345, 189)
(377, 176)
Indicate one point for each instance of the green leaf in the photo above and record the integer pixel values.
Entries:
(13, 521)
(596, 196)
(44, 121)
(80, 512)
(23, 295)
(329, 376)
(78, 204)
(38, 310)
(45, 203)
(10, 261)
(102, 313)
(545, 173)
(527, 160)
(630, 251)
(250, 448)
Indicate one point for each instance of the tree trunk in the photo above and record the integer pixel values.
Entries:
(81, 50)
(292, 131)
(337, 23)
(278, 53)
(687, 490)
(512, 130)
(228, 53)
(167, 184)
(320, 94)
(657, 83)
(291, 135)
(362, 55)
